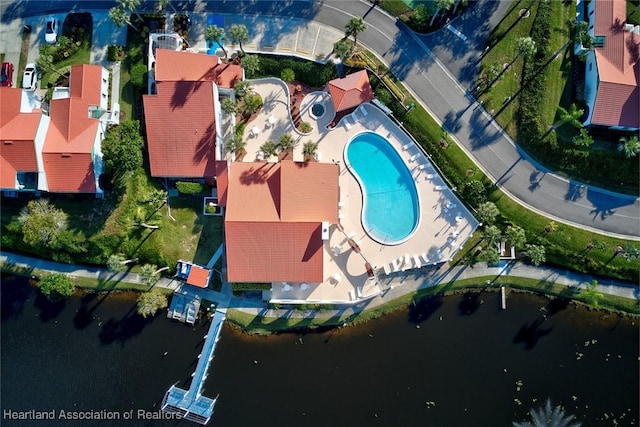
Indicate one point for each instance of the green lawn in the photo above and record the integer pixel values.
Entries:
(502, 51)
(82, 56)
(100, 228)
(599, 164)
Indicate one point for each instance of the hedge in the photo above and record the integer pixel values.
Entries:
(192, 188)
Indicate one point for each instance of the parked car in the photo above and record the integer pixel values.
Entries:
(6, 74)
(51, 31)
(30, 77)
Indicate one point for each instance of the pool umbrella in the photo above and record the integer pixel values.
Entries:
(255, 130)
(337, 277)
(271, 120)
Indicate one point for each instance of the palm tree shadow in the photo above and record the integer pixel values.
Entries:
(530, 334)
(421, 310)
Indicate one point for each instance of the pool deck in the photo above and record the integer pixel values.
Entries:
(444, 226)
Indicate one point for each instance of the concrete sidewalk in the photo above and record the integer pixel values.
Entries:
(398, 284)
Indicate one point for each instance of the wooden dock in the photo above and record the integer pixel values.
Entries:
(503, 298)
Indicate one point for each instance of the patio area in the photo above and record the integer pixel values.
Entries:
(353, 261)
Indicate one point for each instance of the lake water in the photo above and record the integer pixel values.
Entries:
(461, 366)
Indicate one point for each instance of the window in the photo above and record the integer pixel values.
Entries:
(598, 41)
(590, 66)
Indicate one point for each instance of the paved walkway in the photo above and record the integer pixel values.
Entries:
(398, 284)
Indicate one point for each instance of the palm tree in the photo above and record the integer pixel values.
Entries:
(354, 27)
(536, 254)
(516, 236)
(215, 34)
(239, 34)
(250, 104)
(629, 147)
(524, 46)
(571, 116)
(492, 235)
(286, 143)
(549, 417)
(551, 227)
(441, 4)
(228, 106)
(235, 144)
(251, 64)
(148, 275)
(583, 139)
(119, 17)
(118, 262)
(269, 148)
(343, 49)
(242, 88)
(309, 150)
(487, 212)
(591, 293)
(130, 6)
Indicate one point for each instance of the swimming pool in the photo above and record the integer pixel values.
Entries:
(390, 203)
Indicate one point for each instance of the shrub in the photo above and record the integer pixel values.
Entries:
(192, 187)
(288, 75)
(57, 285)
(138, 75)
(114, 53)
(305, 127)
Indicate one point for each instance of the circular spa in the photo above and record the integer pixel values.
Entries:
(317, 110)
(390, 204)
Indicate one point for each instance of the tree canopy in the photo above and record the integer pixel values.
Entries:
(536, 254)
(239, 34)
(487, 212)
(354, 27)
(57, 285)
(42, 223)
(122, 147)
(149, 303)
(215, 34)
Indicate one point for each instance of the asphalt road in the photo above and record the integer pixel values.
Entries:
(414, 59)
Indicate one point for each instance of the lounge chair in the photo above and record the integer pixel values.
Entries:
(386, 269)
(425, 258)
(414, 157)
(341, 204)
(346, 123)
(351, 235)
(406, 146)
(417, 262)
(364, 111)
(406, 260)
(396, 265)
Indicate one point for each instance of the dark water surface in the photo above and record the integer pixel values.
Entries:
(461, 366)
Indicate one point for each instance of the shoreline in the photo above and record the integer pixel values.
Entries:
(299, 319)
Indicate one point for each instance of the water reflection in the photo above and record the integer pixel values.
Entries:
(457, 360)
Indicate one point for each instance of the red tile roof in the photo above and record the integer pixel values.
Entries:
(222, 182)
(198, 276)
(181, 131)
(350, 91)
(69, 172)
(172, 65)
(274, 251)
(70, 138)
(618, 98)
(273, 219)
(17, 134)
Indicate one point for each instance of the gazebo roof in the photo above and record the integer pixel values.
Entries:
(350, 91)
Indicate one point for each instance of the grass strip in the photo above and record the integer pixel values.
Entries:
(266, 325)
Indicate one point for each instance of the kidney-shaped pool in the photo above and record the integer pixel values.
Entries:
(390, 204)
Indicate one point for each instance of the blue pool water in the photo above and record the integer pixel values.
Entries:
(391, 209)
